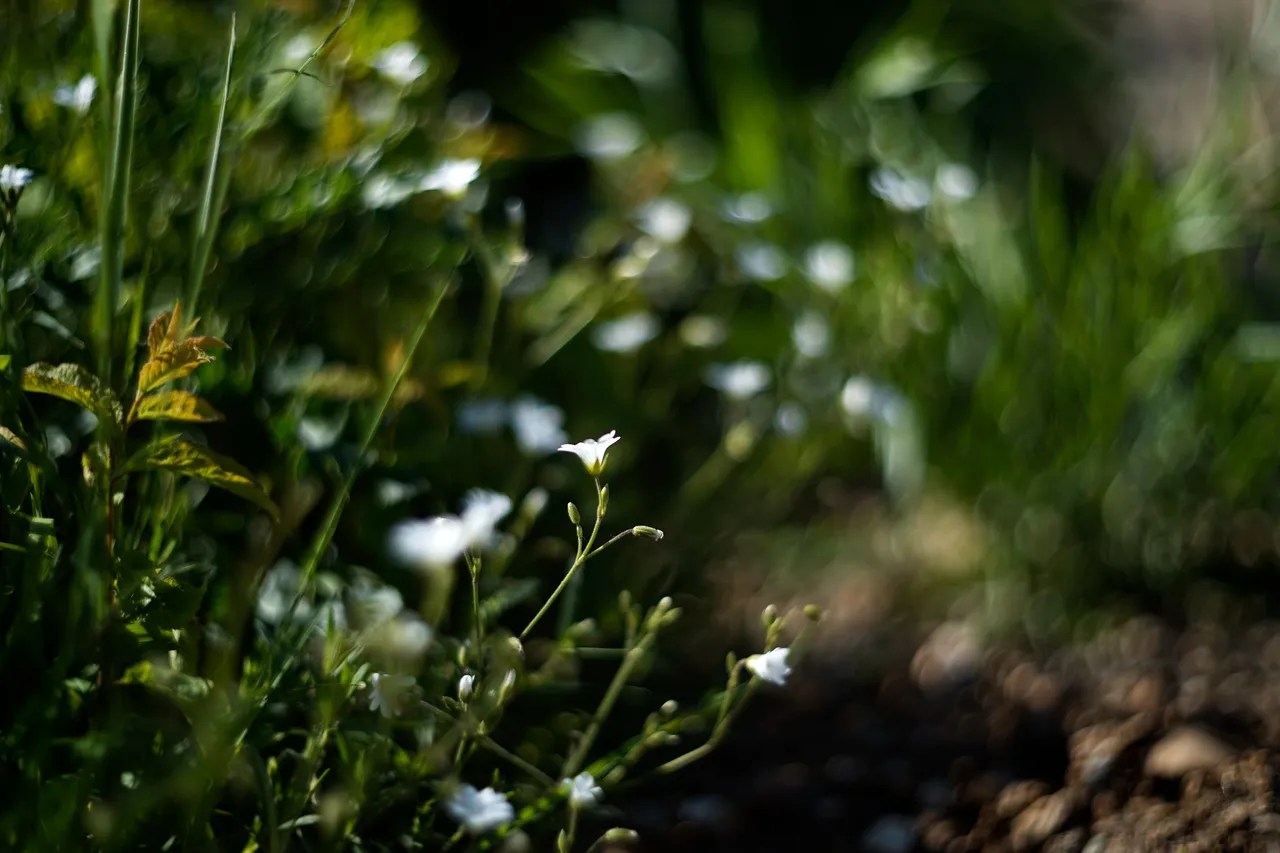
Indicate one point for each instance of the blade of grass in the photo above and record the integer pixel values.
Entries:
(117, 191)
(206, 222)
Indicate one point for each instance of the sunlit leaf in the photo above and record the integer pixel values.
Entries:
(6, 435)
(176, 406)
(201, 463)
(72, 382)
(340, 382)
(172, 362)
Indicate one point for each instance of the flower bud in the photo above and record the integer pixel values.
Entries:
(769, 616)
(648, 532)
(669, 708)
(604, 502)
(619, 835)
(466, 684)
(813, 612)
(574, 515)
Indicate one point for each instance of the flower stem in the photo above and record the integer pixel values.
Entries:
(581, 558)
(580, 750)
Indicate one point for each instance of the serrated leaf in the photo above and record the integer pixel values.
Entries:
(72, 382)
(201, 463)
(176, 406)
(174, 361)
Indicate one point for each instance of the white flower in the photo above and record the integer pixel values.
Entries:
(317, 434)
(481, 511)
(905, 194)
(385, 191)
(14, 177)
(811, 335)
(740, 380)
(391, 492)
(409, 636)
(387, 693)
(956, 181)
(375, 605)
(858, 396)
(583, 790)
(610, 136)
(402, 63)
(440, 540)
(537, 425)
(791, 419)
(627, 333)
(593, 451)
(666, 219)
(770, 666)
(451, 177)
(479, 811)
(829, 265)
(761, 261)
(466, 685)
(277, 592)
(78, 97)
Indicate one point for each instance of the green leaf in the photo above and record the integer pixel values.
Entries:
(72, 382)
(4, 361)
(175, 361)
(176, 406)
(201, 463)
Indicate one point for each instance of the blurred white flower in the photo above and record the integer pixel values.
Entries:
(375, 605)
(703, 331)
(537, 425)
(387, 692)
(391, 492)
(431, 542)
(791, 419)
(451, 177)
(487, 415)
(408, 636)
(278, 589)
(14, 177)
(811, 335)
(666, 219)
(583, 790)
(829, 265)
(482, 509)
(77, 97)
(479, 811)
(610, 136)
(956, 181)
(381, 191)
(748, 208)
(771, 666)
(466, 685)
(593, 452)
(905, 194)
(402, 63)
(329, 613)
(761, 261)
(625, 334)
(56, 441)
(858, 396)
(317, 434)
(739, 380)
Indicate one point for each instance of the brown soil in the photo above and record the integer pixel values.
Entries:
(1144, 738)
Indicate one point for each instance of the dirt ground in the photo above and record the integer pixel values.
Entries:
(1146, 737)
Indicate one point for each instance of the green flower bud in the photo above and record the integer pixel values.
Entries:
(648, 532)
(574, 515)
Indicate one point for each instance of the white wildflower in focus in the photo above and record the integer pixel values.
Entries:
(665, 219)
(538, 426)
(829, 265)
(582, 790)
(77, 97)
(956, 181)
(431, 542)
(761, 261)
(387, 692)
(858, 396)
(740, 380)
(451, 177)
(316, 434)
(625, 334)
(479, 811)
(14, 177)
(748, 208)
(770, 666)
(277, 592)
(482, 416)
(375, 605)
(703, 331)
(905, 194)
(466, 686)
(791, 419)
(609, 137)
(811, 335)
(402, 63)
(593, 452)
(381, 191)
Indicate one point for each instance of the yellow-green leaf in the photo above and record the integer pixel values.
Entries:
(72, 382)
(4, 361)
(201, 463)
(176, 406)
(7, 436)
(173, 361)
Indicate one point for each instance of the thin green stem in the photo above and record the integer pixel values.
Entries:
(573, 582)
(503, 753)
(206, 222)
(583, 746)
